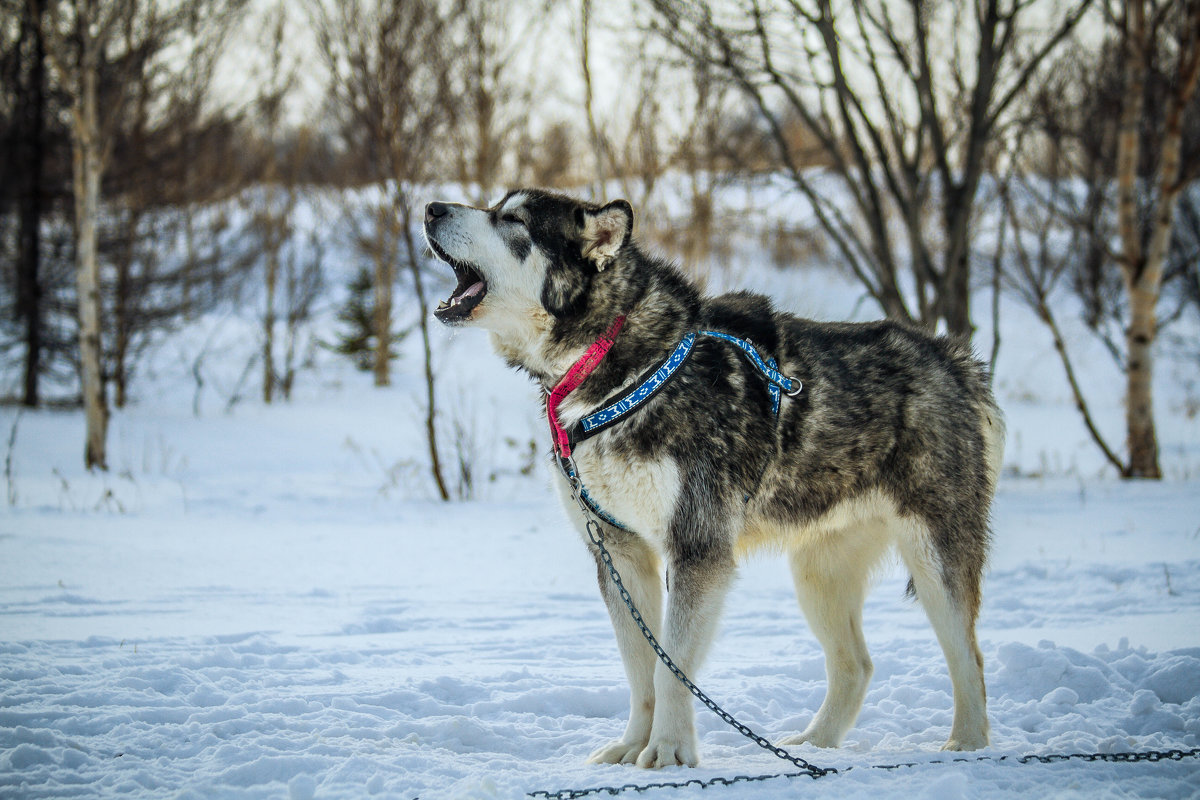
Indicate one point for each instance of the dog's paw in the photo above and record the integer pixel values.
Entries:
(668, 753)
(959, 744)
(618, 752)
(815, 738)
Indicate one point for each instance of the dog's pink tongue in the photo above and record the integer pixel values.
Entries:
(473, 289)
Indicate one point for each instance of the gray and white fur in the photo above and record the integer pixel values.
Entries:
(895, 441)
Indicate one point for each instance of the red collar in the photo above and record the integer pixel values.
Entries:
(576, 375)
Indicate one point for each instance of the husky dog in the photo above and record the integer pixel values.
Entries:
(894, 440)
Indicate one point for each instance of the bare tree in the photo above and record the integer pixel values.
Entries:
(273, 214)
(1045, 254)
(391, 85)
(292, 264)
(547, 157)
(492, 107)
(168, 153)
(76, 44)
(585, 71)
(26, 147)
(632, 152)
(639, 158)
(706, 150)
(1142, 263)
(906, 102)
(1107, 187)
(38, 330)
(95, 47)
(303, 281)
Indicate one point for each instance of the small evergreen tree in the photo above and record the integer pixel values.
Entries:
(357, 340)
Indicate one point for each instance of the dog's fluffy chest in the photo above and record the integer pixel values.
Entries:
(640, 493)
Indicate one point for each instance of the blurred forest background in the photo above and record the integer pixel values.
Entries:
(162, 160)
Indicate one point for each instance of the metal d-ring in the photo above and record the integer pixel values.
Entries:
(799, 384)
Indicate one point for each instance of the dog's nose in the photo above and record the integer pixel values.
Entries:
(435, 210)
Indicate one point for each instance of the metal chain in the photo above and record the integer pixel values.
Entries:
(1116, 758)
(596, 535)
(570, 794)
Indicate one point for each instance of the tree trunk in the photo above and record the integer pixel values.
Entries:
(956, 294)
(87, 169)
(892, 302)
(288, 376)
(484, 118)
(960, 194)
(952, 301)
(589, 112)
(30, 123)
(1139, 407)
(271, 278)
(1143, 270)
(414, 262)
(121, 337)
(1144, 284)
(385, 275)
(1128, 146)
(1139, 410)
(123, 311)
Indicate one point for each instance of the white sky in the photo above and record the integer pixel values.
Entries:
(552, 62)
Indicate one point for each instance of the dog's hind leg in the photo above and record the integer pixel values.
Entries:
(831, 579)
(639, 569)
(951, 601)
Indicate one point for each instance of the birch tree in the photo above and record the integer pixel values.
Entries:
(905, 101)
(96, 47)
(1113, 144)
(79, 33)
(1142, 258)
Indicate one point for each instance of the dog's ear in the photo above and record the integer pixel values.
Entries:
(605, 232)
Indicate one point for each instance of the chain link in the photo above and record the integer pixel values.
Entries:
(570, 794)
(1053, 758)
(807, 770)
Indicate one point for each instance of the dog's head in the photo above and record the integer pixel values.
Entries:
(528, 260)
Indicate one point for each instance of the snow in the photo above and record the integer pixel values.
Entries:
(267, 602)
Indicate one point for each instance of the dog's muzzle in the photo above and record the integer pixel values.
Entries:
(471, 288)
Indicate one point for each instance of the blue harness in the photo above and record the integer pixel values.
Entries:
(778, 384)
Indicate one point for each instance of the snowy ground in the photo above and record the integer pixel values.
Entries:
(265, 603)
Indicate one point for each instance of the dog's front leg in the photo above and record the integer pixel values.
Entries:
(639, 569)
(700, 574)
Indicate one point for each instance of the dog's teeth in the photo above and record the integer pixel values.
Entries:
(443, 305)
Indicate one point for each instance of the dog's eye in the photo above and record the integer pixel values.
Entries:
(513, 218)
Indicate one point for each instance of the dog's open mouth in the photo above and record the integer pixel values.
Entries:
(469, 292)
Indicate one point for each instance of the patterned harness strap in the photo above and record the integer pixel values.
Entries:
(613, 412)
